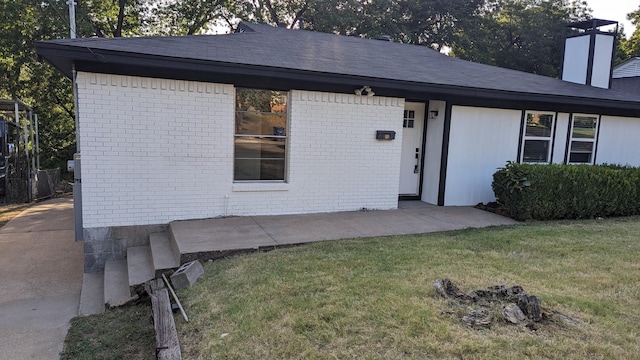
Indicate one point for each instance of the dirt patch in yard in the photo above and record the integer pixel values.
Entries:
(499, 305)
(493, 207)
(8, 212)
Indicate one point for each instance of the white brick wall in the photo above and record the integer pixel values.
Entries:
(156, 150)
(152, 149)
(335, 163)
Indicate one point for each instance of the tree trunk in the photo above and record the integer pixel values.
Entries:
(118, 30)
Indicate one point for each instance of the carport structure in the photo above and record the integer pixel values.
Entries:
(19, 150)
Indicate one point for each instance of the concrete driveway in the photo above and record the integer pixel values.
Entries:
(40, 280)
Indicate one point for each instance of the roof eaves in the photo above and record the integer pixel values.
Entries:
(346, 80)
(63, 54)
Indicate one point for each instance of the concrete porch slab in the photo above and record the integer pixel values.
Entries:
(233, 233)
(298, 229)
(242, 233)
(458, 217)
(390, 222)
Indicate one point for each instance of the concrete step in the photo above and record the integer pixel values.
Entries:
(116, 283)
(140, 265)
(173, 243)
(92, 295)
(218, 236)
(161, 251)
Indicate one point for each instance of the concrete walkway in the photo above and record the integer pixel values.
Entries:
(40, 281)
(255, 232)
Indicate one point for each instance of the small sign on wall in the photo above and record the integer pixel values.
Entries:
(385, 135)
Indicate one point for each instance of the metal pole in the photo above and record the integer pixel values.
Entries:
(17, 110)
(72, 18)
(32, 179)
(77, 197)
(17, 154)
(74, 85)
(37, 145)
(26, 153)
(77, 173)
(33, 143)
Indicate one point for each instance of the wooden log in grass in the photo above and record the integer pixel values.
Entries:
(167, 344)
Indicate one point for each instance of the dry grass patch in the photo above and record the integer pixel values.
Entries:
(8, 212)
(373, 298)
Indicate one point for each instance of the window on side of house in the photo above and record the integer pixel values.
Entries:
(538, 132)
(409, 119)
(260, 140)
(583, 138)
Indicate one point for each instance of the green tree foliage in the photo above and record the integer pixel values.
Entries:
(431, 23)
(621, 41)
(186, 17)
(631, 47)
(284, 13)
(22, 22)
(46, 90)
(526, 35)
(112, 18)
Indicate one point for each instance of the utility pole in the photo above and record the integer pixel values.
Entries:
(72, 18)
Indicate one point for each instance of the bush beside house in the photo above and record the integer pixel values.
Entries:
(547, 192)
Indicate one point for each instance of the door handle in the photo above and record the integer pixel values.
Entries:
(416, 169)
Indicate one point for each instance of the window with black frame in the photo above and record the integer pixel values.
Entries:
(260, 139)
(583, 138)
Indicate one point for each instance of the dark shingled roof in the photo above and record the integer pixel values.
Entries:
(289, 57)
(629, 85)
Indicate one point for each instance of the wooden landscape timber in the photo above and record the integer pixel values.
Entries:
(167, 343)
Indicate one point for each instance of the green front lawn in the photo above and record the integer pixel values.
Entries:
(373, 298)
(122, 333)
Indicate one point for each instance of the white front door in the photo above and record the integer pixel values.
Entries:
(411, 160)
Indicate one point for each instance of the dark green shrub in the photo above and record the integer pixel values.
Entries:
(546, 192)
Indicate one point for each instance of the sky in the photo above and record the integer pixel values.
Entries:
(615, 10)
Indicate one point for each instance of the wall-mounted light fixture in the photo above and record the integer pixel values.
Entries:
(365, 90)
(433, 114)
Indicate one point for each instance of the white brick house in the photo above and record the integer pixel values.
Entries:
(162, 129)
(180, 133)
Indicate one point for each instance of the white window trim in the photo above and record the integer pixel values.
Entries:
(594, 140)
(550, 138)
(259, 186)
